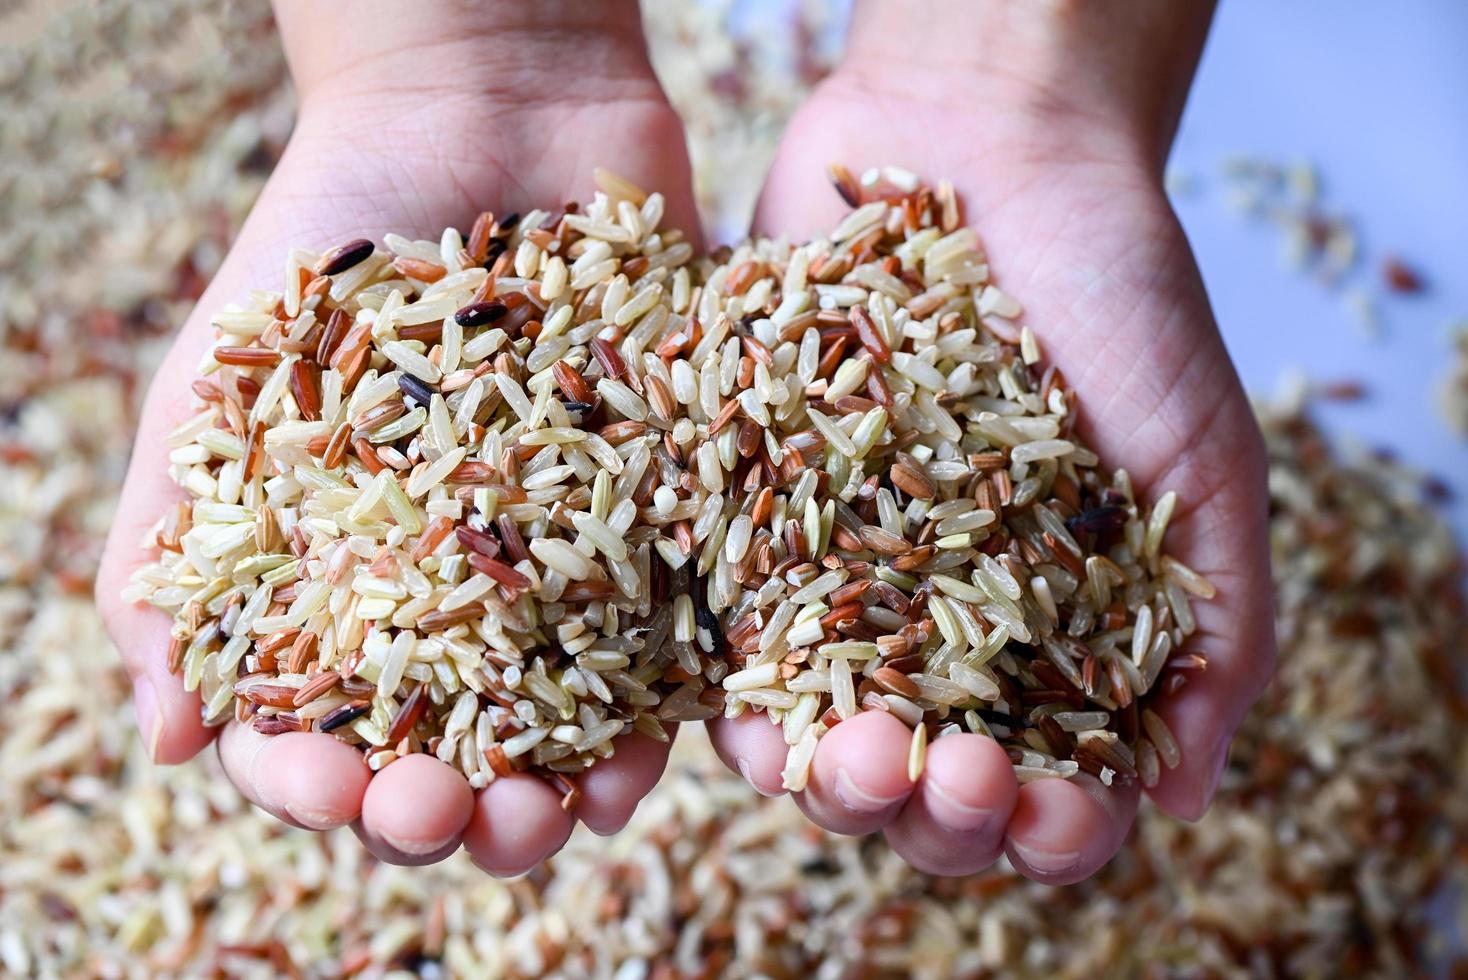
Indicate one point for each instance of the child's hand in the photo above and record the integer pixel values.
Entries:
(412, 117)
(1053, 121)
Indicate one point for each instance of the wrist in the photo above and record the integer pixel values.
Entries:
(505, 49)
(1114, 72)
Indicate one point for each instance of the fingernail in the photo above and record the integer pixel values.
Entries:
(1047, 862)
(954, 813)
(1220, 763)
(858, 800)
(748, 773)
(150, 716)
(314, 819)
(417, 848)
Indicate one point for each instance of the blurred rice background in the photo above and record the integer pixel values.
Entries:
(133, 138)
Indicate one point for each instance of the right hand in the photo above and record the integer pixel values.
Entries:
(411, 118)
(1053, 121)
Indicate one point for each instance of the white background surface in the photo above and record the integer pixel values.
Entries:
(1376, 94)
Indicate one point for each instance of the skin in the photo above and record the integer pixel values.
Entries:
(487, 119)
(1053, 121)
(1056, 150)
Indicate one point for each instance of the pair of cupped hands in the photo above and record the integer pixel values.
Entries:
(1052, 120)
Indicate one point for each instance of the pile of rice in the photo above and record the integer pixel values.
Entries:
(937, 544)
(1337, 822)
(422, 483)
(505, 496)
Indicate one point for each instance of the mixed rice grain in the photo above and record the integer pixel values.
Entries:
(505, 497)
(422, 480)
(110, 866)
(918, 529)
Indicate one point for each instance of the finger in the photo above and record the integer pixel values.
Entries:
(754, 748)
(169, 717)
(1065, 830)
(1200, 719)
(858, 779)
(954, 823)
(415, 811)
(517, 823)
(307, 779)
(1227, 541)
(611, 789)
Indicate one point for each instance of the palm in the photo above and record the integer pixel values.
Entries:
(1086, 240)
(360, 168)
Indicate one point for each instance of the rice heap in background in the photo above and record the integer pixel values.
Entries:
(735, 71)
(1335, 822)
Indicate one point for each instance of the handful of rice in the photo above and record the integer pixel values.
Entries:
(507, 497)
(421, 483)
(922, 533)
